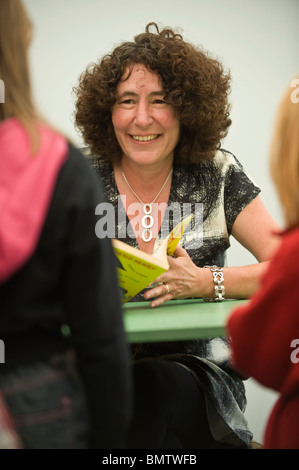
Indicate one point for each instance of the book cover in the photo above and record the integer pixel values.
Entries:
(137, 269)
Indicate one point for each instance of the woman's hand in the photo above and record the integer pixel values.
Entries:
(183, 280)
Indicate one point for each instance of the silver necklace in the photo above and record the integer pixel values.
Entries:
(147, 220)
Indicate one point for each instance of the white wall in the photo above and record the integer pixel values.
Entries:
(257, 40)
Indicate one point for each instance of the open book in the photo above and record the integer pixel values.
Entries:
(137, 269)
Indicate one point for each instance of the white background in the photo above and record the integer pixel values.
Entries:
(256, 39)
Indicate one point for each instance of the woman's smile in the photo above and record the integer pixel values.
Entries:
(145, 138)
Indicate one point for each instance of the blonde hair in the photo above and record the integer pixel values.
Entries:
(284, 154)
(15, 36)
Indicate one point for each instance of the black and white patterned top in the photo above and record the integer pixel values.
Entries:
(216, 191)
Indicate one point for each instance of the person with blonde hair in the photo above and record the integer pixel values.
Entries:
(66, 379)
(265, 332)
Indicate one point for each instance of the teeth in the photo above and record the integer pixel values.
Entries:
(144, 138)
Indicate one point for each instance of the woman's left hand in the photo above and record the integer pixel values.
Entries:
(182, 280)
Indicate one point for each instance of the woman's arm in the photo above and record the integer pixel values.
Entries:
(255, 229)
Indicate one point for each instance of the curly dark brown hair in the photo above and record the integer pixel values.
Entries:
(195, 84)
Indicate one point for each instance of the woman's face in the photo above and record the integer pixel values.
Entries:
(144, 124)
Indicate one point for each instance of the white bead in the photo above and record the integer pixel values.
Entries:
(147, 208)
(150, 236)
(146, 224)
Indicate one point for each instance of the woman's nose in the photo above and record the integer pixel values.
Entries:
(143, 116)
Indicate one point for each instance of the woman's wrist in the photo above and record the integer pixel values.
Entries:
(217, 290)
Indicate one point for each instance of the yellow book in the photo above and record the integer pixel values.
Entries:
(137, 269)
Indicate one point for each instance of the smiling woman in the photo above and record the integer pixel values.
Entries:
(145, 125)
(153, 114)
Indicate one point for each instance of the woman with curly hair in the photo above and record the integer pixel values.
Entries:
(153, 114)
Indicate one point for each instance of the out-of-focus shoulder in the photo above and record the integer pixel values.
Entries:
(86, 151)
(92, 160)
(291, 238)
(287, 256)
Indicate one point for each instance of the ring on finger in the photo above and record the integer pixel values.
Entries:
(167, 289)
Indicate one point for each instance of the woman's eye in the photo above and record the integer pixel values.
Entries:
(160, 101)
(128, 101)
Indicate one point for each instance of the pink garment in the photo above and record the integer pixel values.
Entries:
(26, 187)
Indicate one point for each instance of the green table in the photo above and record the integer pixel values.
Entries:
(177, 320)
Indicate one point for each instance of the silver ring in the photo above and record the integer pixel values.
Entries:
(167, 289)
